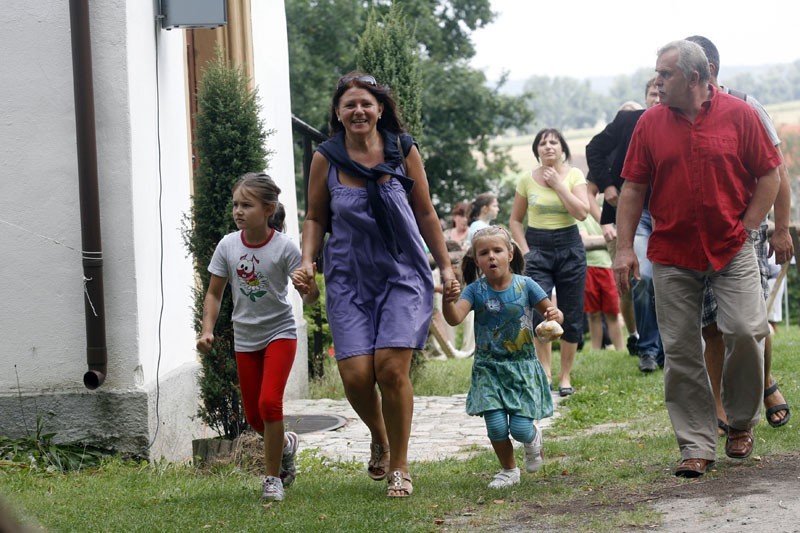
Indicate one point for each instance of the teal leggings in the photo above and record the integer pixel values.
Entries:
(499, 423)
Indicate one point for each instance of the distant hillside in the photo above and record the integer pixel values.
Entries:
(785, 115)
(602, 84)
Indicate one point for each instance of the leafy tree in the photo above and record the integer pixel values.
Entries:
(460, 114)
(627, 87)
(230, 142)
(793, 75)
(564, 102)
(388, 52)
(462, 117)
(744, 82)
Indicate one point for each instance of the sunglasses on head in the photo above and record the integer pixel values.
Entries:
(363, 78)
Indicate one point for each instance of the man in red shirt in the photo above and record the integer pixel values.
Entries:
(713, 174)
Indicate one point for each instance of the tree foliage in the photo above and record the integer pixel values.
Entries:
(387, 51)
(564, 102)
(780, 83)
(628, 87)
(230, 142)
(460, 114)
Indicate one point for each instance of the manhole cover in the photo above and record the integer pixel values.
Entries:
(312, 423)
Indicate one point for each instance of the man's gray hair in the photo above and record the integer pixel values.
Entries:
(691, 58)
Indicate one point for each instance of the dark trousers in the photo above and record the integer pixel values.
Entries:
(557, 259)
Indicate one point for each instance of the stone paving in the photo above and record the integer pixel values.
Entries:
(441, 428)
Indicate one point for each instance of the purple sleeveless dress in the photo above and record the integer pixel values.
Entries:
(374, 301)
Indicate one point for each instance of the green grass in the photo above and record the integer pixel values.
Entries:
(610, 448)
(433, 378)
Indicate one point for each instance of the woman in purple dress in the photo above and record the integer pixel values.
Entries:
(368, 187)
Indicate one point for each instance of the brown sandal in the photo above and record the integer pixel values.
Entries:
(378, 463)
(399, 485)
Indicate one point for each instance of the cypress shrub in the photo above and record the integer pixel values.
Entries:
(387, 50)
(229, 141)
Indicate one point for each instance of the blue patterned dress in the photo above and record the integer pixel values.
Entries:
(506, 373)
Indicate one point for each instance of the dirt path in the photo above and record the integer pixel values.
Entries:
(754, 496)
(764, 497)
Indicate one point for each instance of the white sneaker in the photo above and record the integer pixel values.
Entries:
(505, 478)
(272, 489)
(288, 468)
(534, 454)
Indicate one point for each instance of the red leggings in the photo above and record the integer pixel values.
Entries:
(262, 378)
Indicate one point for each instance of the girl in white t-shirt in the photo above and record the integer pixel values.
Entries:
(256, 261)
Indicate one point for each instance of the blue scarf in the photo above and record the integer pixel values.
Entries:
(335, 151)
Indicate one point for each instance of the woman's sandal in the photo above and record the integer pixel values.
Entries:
(769, 391)
(399, 485)
(378, 463)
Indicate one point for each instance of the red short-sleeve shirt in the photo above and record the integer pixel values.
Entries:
(702, 175)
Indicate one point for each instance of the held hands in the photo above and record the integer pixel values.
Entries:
(304, 280)
(453, 291)
(450, 285)
(204, 342)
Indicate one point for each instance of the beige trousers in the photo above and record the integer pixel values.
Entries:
(742, 318)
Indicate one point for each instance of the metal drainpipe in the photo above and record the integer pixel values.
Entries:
(94, 306)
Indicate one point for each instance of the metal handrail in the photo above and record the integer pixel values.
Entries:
(311, 135)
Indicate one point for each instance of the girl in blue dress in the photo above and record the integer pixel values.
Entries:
(509, 386)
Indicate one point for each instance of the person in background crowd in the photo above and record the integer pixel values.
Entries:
(601, 298)
(706, 210)
(484, 210)
(459, 225)
(612, 144)
(552, 198)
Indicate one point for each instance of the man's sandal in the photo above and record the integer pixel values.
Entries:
(378, 463)
(769, 391)
(399, 485)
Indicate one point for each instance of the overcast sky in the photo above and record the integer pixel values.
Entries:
(584, 38)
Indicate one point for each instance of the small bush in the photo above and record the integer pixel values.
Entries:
(230, 142)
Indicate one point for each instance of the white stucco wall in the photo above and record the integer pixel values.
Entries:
(42, 320)
(161, 178)
(149, 399)
(271, 75)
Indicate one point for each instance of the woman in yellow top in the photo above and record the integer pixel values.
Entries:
(554, 198)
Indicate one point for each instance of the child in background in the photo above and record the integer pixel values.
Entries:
(257, 261)
(600, 294)
(509, 386)
(484, 209)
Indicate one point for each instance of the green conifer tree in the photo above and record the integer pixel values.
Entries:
(387, 50)
(230, 142)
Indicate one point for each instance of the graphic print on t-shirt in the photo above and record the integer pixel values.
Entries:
(251, 282)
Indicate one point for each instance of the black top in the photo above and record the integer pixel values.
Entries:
(605, 156)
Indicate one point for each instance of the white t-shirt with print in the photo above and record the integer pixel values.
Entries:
(259, 280)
